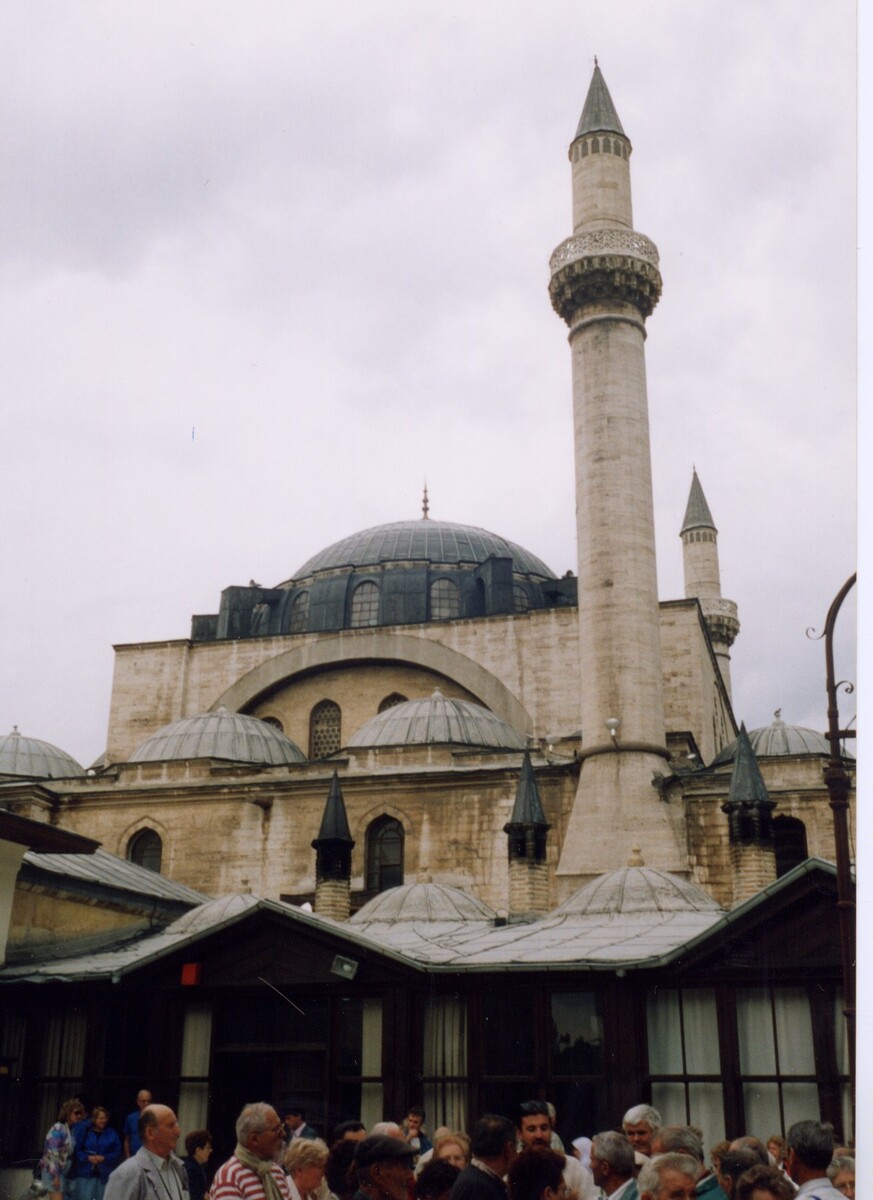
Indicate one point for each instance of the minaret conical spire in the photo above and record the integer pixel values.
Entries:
(703, 577)
(528, 809)
(598, 113)
(527, 829)
(333, 857)
(697, 514)
(749, 811)
(334, 822)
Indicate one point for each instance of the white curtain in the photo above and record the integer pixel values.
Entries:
(445, 1062)
(196, 1053)
(371, 1061)
(665, 1034)
(63, 1054)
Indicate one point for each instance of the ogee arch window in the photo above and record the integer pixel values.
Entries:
(392, 701)
(325, 729)
(365, 605)
(384, 854)
(146, 850)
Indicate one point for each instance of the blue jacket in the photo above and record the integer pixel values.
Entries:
(89, 1141)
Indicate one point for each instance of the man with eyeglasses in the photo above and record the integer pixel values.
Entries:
(253, 1172)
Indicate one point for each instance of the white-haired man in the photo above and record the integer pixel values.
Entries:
(668, 1177)
(639, 1125)
(612, 1165)
(253, 1171)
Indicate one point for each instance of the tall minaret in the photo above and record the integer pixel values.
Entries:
(605, 282)
(703, 579)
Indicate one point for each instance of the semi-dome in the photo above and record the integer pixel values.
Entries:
(423, 902)
(637, 889)
(31, 758)
(778, 739)
(220, 734)
(438, 720)
(422, 541)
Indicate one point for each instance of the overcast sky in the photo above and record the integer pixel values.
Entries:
(265, 267)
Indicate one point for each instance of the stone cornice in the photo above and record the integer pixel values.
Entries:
(605, 265)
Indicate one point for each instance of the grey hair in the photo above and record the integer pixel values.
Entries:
(252, 1119)
(385, 1129)
(813, 1143)
(649, 1179)
(681, 1139)
(615, 1149)
(642, 1112)
(841, 1163)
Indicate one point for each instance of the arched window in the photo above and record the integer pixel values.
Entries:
(384, 855)
(520, 598)
(365, 605)
(789, 843)
(325, 729)
(391, 701)
(445, 600)
(275, 722)
(299, 613)
(145, 849)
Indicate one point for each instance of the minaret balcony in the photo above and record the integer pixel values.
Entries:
(602, 266)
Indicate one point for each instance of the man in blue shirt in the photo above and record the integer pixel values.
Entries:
(132, 1141)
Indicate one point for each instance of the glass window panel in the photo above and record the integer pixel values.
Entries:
(761, 1102)
(445, 601)
(840, 1038)
(371, 1039)
(299, 613)
(755, 1031)
(365, 605)
(581, 1105)
(508, 1022)
(371, 1103)
(193, 1106)
(800, 1102)
(665, 1044)
(577, 1034)
(670, 1098)
(794, 1032)
(706, 1101)
(701, 1032)
(197, 1040)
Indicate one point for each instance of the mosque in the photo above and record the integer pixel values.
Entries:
(422, 759)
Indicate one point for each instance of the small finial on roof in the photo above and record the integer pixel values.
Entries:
(778, 714)
(425, 506)
(636, 859)
(15, 731)
(595, 60)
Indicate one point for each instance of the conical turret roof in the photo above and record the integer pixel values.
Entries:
(528, 808)
(747, 783)
(599, 115)
(334, 822)
(697, 514)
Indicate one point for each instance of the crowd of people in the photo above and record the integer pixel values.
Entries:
(282, 1158)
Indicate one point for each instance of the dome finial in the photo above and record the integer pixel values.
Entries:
(425, 506)
(636, 858)
(778, 714)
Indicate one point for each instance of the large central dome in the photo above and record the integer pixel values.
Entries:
(423, 541)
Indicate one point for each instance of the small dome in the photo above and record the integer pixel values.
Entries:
(32, 759)
(423, 902)
(442, 542)
(778, 739)
(637, 890)
(438, 720)
(220, 734)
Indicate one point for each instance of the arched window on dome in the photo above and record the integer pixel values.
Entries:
(789, 844)
(275, 722)
(145, 849)
(299, 613)
(445, 600)
(384, 855)
(520, 598)
(325, 729)
(365, 605)
(392, 701)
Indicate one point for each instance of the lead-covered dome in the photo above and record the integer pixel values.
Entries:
(220, 734)
(423, 902)
(778, 739)
(423, 541)
(638, 889)
(31, 758)
(438, 720)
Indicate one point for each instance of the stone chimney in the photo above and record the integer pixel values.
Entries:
(527, 829)
(749, 812)
(333, 858)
